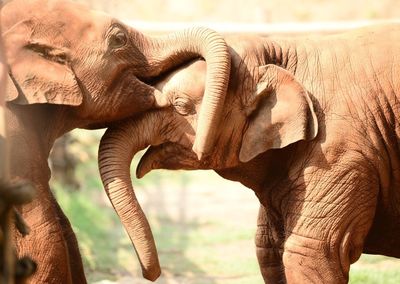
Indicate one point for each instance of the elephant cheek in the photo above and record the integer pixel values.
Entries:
(166, 156)
(136, 103)
(127, 105)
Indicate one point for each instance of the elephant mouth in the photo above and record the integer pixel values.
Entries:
(169, 156)
(127, 73)
(154, 80)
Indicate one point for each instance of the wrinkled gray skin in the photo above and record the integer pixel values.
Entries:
(70, 67)
(312, 126)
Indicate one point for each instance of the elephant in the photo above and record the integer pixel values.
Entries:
(310, 124)
(70, 67)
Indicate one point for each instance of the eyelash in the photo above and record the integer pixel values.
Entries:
(183, 106)
(115, 38)
(114, 31)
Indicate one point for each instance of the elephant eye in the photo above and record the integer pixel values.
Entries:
(184, 106)
(117, 40)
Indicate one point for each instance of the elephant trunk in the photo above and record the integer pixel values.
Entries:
(117, 148)
(168, 51)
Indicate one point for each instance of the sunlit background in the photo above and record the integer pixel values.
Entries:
(204, 226)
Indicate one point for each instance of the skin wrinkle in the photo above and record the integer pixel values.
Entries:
(376, 149)
(247, 82)
(319, 74)
(326, 219)
(340, 180)
(314, 77)
(290, 183)
(303, 67)
(269, 247)
(274, 201)
(374, 113)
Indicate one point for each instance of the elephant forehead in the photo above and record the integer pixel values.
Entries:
(187, 81)
(80, 23)
(63, 22)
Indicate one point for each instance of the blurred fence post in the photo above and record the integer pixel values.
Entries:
(4, 171)
(12, 270)
(6, 247)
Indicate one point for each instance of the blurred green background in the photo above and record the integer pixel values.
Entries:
(204, 226)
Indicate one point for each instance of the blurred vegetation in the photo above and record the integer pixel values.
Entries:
(375, 269)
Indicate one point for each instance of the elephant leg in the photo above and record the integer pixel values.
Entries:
(75, 259)
(45, 243)
(269, 242)
(326, 226)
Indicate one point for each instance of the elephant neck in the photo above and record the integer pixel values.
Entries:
(31, 132)
(261, 173)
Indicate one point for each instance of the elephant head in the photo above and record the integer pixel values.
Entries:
(61, 53)
(274, 112)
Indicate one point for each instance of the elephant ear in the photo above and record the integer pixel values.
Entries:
(39, 71)
(281, 113)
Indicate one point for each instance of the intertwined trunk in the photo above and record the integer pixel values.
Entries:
(166, 52)
(117, 148)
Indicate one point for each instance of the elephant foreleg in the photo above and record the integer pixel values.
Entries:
(269, 248)
(45, 243)
(75, 259)
(326, 226)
